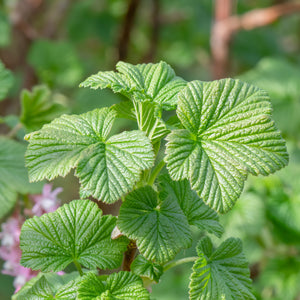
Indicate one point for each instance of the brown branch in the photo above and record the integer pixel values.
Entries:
(155, 24)
(224, 30)
(129, 256)
(126, 29)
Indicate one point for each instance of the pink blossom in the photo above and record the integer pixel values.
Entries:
(47, 201)
(10, 250)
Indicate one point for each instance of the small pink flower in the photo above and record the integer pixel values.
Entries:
(47, 201)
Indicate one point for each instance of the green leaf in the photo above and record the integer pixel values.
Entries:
(159, 227)
(39, 107)
(76, 232)
(122, 285)
(107, 168)
(6, 81)
(55, 62)
(13, 174)
(196, 211)
(222, 273)
(145, 268)
(50, 286)
(5, 29)
(228, 134)
(153, 82)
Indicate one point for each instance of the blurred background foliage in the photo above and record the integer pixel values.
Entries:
(58, 43)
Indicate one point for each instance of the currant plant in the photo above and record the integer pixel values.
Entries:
(222, 132)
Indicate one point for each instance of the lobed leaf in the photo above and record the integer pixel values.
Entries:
(39, 107)
(159, 227)
(145, 268)
(76, 232)
(222, 273)
(152, 82)
(122, 285)
(107, 168)
(228, 134)
(196, 211)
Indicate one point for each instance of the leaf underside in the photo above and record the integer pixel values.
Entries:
(228, 133)
(75, 232)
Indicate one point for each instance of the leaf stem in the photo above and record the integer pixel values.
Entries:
(14, 130)
(156, 171)
(78, 267)
(178, 262)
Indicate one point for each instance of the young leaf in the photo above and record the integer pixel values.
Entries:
(196, 211)
(122, 285)
(145, 268)
(153, 82)
(39, 107)
(50, 286)
(6, 81)
(13, 174)
(222, 273)
(159, 227)
(228, 134)
(107, 168)
(76, 232)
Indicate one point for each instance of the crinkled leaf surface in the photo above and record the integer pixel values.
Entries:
(222, 273)
(75, 232)
(50, 286)
(196, 211)
(159, 227)
(122, 285)
(6, 81)
(106, 167)
(39, 107)
(13, 174)
(145, 268)
(153, 82)
(228, 134)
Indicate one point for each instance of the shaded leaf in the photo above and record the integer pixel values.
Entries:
(122, 285)
(222, 273)
(196, 211)
(6, 81)
(159, 227)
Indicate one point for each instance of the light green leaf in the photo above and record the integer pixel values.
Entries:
(220, 274)
(107, 168)
(39, 107)
(50, 286)
(153, 82)
(159, 227)
(122, 285)
(6, 81)
(196, 211)
(5, 29)
(76, 232)
(145, 268)
(13, 174)
(228, 134)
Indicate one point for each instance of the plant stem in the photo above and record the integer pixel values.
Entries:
(129, 256)
(14, 130)
(78, 267)
(179, 262)
(155, 172)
